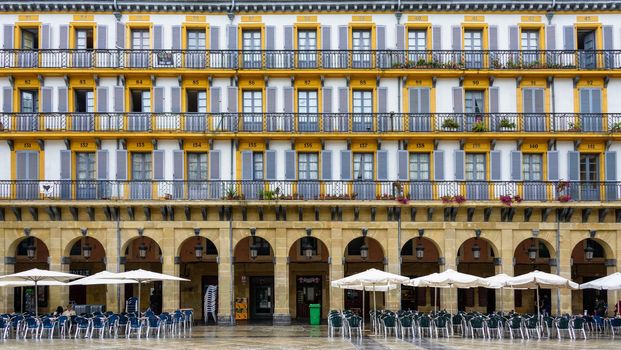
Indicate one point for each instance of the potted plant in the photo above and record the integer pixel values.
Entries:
(506, 125)
(450, 124)
(616, 127)
(479, 127)
(574, 127)
(508, 200)
(564, 198)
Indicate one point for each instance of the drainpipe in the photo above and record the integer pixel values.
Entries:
(558, 257)
(118, 243)
(231, 257)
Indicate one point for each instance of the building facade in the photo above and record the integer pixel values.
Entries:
(270, 148)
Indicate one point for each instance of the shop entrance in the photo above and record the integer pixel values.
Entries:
(308, 291)
(261, 297)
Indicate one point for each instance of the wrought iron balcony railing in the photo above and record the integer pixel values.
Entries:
(312, 123)
(311, 59)
(448, 191)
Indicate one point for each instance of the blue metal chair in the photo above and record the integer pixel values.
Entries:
(188, 319)
(16, 325)
(153, 324)
(98, 324)
(562, 325)
(577, 325)
(32, 326)
(178, 321)
(615, 325)
(123, 323)
(47, 325)
(5, 326)
(134, 324)
(354, 322)
(112, 323)
(82, 325)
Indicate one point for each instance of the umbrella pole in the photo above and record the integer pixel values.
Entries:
(374, 308)
(36, 296)
(363, 293)
(538, 310)
(138, 305)
(502, 301)
(435, 299)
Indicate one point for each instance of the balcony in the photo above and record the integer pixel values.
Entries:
(446, 191)
(198, 60)
(331, 123)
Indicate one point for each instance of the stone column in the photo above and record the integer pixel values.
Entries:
(505, 296)
(58, 296)
(393, 297)
(565, 265)
(112, 265)
(337, 269)
(282, 316)
(170, 289)
(7, 293)
(449, 296)
(226, 274)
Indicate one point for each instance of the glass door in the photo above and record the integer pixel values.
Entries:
(307, 48)
(473, 45)
(197, 175)
(589, 177)
(196, 111)
(530, 47)
(364, 186)
(591, 110)
(84, 107)
(417, 46)
(532, 173)
(261, 297)
(533, 106)
(251, 46)
(83, 55)
(253, 110)
(85, 175)
(476, 167)
(140, 117)
(308, 175)
(361, 49)
(141, 175)
(195, 54)
(420, 185)
(362, 119)
(139, 56)
(474, 107)
(28, 120)
(307, 111)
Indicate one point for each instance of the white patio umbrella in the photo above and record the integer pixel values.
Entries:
(38, 277)
(103, 277)
(370, 280)
(610, 282)
(141, 276)
(499, 282)
(539, 279)
(448, 279)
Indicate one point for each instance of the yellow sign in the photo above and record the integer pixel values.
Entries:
(139, 18)
(531, 18)
(83, 17)
(307, 18)
(195, 18)
(534, 146)
(477, 146)
(474, 18)
(413, 18)
(420, 146)
(251, 19)
(28, 17)
(361, 18)
(591, 147)
(587, 19)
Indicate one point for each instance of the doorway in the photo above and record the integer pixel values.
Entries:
(308, 291)
(261, 297)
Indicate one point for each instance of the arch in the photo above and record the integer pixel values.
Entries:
(320, 249)
(131, 247)
(186, 250)
(526, 241)
(520, 253)
(98, 249)
(376, 251)
(241, 252)
(431, 249)
(487, 255)
(12, 248)
(602, 249)
(20, 253)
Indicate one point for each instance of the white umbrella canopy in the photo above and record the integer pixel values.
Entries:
(103, 277)
(31, 283)
(498, 281)
(37, 276)
(371, 277)
(610, 282)
(540, 279)
(141, 276)
(449, 279)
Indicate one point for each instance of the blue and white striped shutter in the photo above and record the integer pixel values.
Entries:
(120, 35)
(516, 166)
(438, 162)
(551, 37)
(102, 164)
(514, 38)
(232, 37)
(158, 99)
(175, 99)
(158, 37)
(553, 166)
(7, 99)
(214, 38)
(287, 93)
(178, 157)
(460, 174)
(271, 99)
(214, 165)
(326, 165)
(403, 158)
(493, 37)
(380, 36)
(495, 159)
(290, 165)
(158, 165)
(64, 37)
(343, 99)
(493, 99)
(176, 37)
(611, 175)
(382, 165)
(327, 100)
(456, 37)
(65, 164)
(346, 173)
(215, 99)
(102, 37)
(7, 33)
(46, 38)
(382, 99)
(568, 37)
(232, 99)
(119, 99)
(436, 37)
(573, 166)
(270, 165)
(46, 99)
(63, 102)
(246, 159)
(121, 164)
(458, 100)
(400, 37)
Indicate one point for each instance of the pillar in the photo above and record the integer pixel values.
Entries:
(393, 297)
(337, 269)
(7, 293)
(226, 275)
(505, 297)
(565, 271)
(58, 296)
(282, 316)
(449, 296)
(170, 289)
(114, 301)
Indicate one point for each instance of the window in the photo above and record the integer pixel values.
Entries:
(475, 101)
(308, 168)
(196, 101)
(591, 109)
(30, 39)
(532, 167)
(307, 46)
(361, 46)
(22, 247)
(473, 44)
(141, 101)
(419, 167)
(251, 45)
(363, 166)
(307, 110)
(84, 39)
(252, 105)
(533, 100)
(263, 246)
(587, 46)
(589, 167)
(417, 41)
(196, 39)
(85, 166)
(84, 101)
(139, 57)
(353, 248)
(530, 40)
(195, 43)
(257, 166)
(29, 101)
(362, 110)
(475, 166)
(141, 166)
(197, 166)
